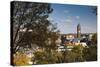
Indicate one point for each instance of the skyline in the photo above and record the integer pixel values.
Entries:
(67, 17)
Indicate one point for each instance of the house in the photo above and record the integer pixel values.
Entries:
(77, 41)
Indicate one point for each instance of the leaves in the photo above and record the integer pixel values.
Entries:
(94, 38)
(90, 54)
(27, 15)
(21, 59)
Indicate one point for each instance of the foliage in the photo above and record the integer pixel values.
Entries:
(75, 55)
(27, 15)
(40, 57)
(33, 16)
(90, 54)
(94, 38)
(95, 10)
(21, 59)
(47, 58)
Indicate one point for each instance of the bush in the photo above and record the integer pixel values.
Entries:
(21, 59)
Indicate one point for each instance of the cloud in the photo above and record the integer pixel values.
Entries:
(66, 11)
(77, 17)
(50, 18)
(54, 11)
(68, 20)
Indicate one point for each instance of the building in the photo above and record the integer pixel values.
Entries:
(78, 31)
(70, 36)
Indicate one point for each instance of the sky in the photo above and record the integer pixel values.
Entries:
(67, 17)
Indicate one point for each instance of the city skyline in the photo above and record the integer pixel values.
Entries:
(67, 17)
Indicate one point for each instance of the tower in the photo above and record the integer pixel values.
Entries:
(78, 31)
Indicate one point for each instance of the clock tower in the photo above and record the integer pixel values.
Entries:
(78, 31)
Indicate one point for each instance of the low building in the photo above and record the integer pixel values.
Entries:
(70, 36)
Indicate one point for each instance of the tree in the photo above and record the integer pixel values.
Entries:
(21, 59)
(41, 57)
(94, 38)
(95, 10)
(90, 54)
(75, 55)
(27, 15)
(32, 27)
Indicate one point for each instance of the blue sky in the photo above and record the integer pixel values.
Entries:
(68, 16)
